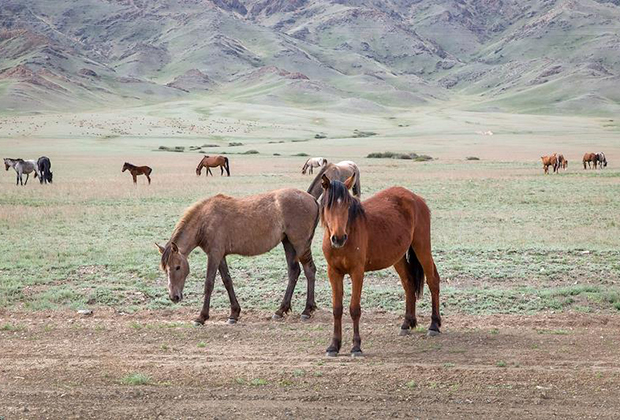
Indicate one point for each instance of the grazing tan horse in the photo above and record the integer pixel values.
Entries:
(137, 170)
(562, 162)
(311, 163)
(550, 161)
(213, 162)
(590, 158)
(223, 225)
(340, 171)
(392, 228)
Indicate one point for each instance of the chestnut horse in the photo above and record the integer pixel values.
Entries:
(223, 225)
(590, 158)
(340, 171)
(550, 161)
(392, 228)
(137, 170)
(213, 162)
(562, 162)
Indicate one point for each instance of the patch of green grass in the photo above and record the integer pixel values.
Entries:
(136, 379)
(449, 365)
(501, 363)
(258, 382)
(201, 345)
(11, 327)
(299, 372)
(411, 384)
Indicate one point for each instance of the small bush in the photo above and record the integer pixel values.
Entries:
(472, 158)
(301, 154)
(210, 145)
(179, 149)
(360, 134)
(235, 143)
(320, 136)
(407, 156)
(250, 152)
(276, 154)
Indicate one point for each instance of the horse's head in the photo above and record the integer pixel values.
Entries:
(338, 209)
(177, 269)
(7, 163)
(125, 167)
(49, 177)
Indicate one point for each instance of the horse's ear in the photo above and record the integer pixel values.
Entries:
(350, 181)
(160, 248)
(325, 182)
(174, 247)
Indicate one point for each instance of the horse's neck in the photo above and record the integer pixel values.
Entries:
(186, 238)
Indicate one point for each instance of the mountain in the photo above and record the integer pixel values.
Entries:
(540, 56)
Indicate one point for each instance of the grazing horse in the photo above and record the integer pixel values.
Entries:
(562, 162)
(314, 162)
(213, 162)
(550, 161)
(44, 166)
(137, 170)
(590, 158)
(392, 228)
(223, 225)
(339, 171)
(602, 160)
(21, 167)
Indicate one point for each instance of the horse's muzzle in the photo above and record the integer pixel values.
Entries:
(338, 242)
(177, 297)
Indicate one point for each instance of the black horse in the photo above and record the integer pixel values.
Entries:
(44, 166)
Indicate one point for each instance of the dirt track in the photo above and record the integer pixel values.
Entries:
(58, 365)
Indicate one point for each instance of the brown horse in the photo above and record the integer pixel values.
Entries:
(223, 225)
(392, 228)
(213, 162)
(590, 158)
(339, 171)
(137, 170)
(550, 161)
(562, 162)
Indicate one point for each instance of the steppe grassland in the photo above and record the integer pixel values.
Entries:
(506, 238)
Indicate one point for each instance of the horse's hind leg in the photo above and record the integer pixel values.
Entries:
(27, 176)
(293, 274)
(410, 299)
(423, 253)
(235, 309)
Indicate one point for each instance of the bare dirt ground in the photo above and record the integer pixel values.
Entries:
(60, 365)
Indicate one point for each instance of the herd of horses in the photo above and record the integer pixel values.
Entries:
(393, 228)
(557, 161)
(41, 168)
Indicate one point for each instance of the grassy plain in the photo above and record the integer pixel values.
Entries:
(507, 239)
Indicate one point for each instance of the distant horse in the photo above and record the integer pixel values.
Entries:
(314, 162)
(602, 160)
(562, 162)
(392, 228)
(339, 171)
(550, 161)
(44, 166)
(137, 170)
(213, 162)
(590, 158)
(223, 225)
(21, 167)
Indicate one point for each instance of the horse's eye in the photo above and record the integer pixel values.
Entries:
(178, 267)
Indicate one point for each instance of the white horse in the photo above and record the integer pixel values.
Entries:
(21, 166)
(314, 162)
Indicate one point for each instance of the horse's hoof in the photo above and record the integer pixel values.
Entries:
(198, 323)
(305, 317)
(404, 332)
(231, 321)
(331, 353)
(433, 333)
(357, 353)
(277, 317)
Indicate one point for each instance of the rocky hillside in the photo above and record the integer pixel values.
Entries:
(543, 56)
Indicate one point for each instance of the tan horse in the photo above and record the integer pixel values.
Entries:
(550, 161)
(213, 162)
(339, 171)
(223, 225)
(315, 162)
(392, 228)
(590, 158)
(137, 170)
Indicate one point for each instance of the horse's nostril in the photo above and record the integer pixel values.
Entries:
(333, 239)
(344, 238)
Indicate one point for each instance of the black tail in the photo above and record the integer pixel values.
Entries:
(227, 166)
(416, 272)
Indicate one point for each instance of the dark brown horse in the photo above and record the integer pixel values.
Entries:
(213, 162)
(223, 225)
(562, 162)
(550, 161)
(339, 171)
(392, 228)
(137, 170)
(590, 158)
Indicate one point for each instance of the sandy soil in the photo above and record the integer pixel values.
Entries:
(60, 365)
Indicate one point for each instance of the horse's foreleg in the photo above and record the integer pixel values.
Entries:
(355, 309)
(149, 178)
(235, 309)
(335, 280)
(135, 178)
(294, 271)
(209, 171)
(212, 267)
(27, 176)
(310, 273)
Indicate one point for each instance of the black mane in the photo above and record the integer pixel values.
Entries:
(338, 191)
